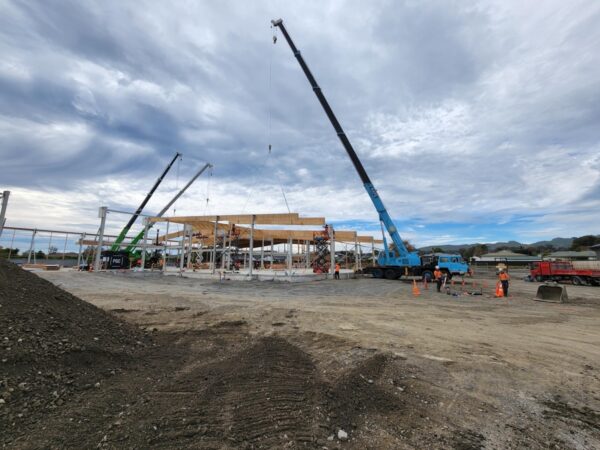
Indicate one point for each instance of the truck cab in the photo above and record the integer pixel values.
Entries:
(452, 264)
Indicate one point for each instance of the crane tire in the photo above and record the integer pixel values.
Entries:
(377, 273)
(391, 274)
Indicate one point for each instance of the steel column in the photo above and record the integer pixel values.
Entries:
(12, 241)
(144, 243)
(332, 251)
(102, 214)
(81, 238)
(4, 196)
(214, 251)
(251, 254)
(164, 264)
(182, 251)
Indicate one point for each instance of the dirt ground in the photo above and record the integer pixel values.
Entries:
(268, 364)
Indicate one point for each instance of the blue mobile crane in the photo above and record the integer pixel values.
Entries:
(391, 264)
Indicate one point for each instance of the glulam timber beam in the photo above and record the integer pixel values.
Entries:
(259, 219)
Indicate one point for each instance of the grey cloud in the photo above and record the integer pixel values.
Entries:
(448, 99)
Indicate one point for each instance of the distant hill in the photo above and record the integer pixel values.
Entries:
(557, 243)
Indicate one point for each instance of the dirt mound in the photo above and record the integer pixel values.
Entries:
(73, 376)
(53, 344)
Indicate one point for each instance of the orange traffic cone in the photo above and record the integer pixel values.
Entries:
(416, 291)
(499, 290)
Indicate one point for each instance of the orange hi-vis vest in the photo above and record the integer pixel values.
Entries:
(337, 267)
(504, 276)
(437, 274)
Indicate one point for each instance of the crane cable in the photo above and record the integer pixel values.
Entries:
(269, 134)
(177, 187)
(270, 101)
(210, 174)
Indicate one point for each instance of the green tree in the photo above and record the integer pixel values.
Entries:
(584, 242)
(4, 252)
(480, 249)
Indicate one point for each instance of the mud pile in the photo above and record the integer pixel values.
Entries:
(53, 344)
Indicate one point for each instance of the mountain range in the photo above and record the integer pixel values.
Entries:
(557, 243)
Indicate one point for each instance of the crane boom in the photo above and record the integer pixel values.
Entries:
(135, 240)
(409, 259)
(116, 245)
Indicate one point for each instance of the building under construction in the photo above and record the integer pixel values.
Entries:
(252, 246)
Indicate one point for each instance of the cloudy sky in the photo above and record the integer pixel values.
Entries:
(476, 123)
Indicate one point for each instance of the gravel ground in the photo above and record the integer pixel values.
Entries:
(274, 365)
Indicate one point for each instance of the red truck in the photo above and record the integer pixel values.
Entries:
(577, 272)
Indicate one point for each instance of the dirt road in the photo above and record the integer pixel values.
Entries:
(433, 371)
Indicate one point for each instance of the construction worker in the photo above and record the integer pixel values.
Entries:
(337, 271)
(439, 277)
(504, 277)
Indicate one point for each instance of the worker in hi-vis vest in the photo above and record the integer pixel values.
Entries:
(337, 271)
(504, 277)
(439, 277)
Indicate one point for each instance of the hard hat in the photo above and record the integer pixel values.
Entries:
(437, 267)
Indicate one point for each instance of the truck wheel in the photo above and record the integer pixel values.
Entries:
(539, 278)
(391, 274)
(577, 281)
(377, 273)
(427, 275)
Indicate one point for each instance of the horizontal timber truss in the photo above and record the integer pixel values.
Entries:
(204, 228)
